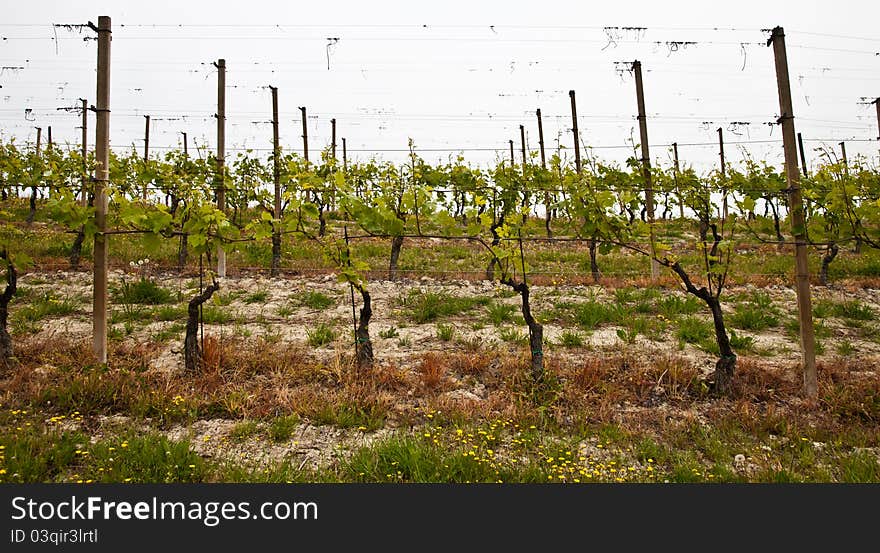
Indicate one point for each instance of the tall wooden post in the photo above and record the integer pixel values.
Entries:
(646, 161)
(512, 160)
(724, 208)
(677, 173)
(344, 155)
(276, 177)
(843, 156)
(39, 139)
(220, 182)
(102, 177)
(185, 145)
(798, 224)
(333, 138)
(522, 141)
(146, 151)
(800, 140)
(541, 138)
(877, 105)
(305, 134)
(575, 133)
(49, 138)
(84, 199)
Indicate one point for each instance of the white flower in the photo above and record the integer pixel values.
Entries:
(131, 263)
(146, 261)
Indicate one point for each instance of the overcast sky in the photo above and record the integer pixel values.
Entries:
(454, 75)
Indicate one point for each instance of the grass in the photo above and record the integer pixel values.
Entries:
(571, 339)
(445, 332)
(390, 332)
(281, 428)
(425, 307)
(512, 335)
(693, 330)
(315, 300)
(142, 292)
(500, 313)
(321, 335)
(44, 307)
(753, 317)
(591, 314)
(853, 310)
(260, 296)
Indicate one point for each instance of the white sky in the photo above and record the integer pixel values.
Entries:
(450, 74)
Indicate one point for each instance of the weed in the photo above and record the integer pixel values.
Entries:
(321, 335)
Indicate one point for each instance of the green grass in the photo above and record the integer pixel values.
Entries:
(445, 332)
(212, 314)
(315, 300)
(853, 310)
(591, 314)
(142, 292)
(693, 330)
(752, 317)
(501, 313)
(281, 428)
(349, 415)
(512, 335)
(425, 307)
(571, 339)
(390, 332)
(259, 296)
(43, 307)
(322, 334)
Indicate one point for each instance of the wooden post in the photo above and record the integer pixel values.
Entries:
(512, 161)
(724, 208)
(798, 224)
(305, 134)
(102, 177)
(276, 177)
(677, 172)
(646, 161)
(49, 138)
(574, 130)
(333, 137)
(877, 105)
(185, 145)
(39, 139)
(220, 177)
(843, 156)
(522, 141)
(803, 156)
(541, 138)
(146, 151)
(344, 155)
(84, 200)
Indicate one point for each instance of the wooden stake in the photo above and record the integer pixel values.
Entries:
(344, 155)
(102, 177)
(803, 157)
(574, 130)
(798, 224)
(333, 137)
(522, 141)
(724, 208)
(646, 162)
(276, 177)
(84, 199)
(541, 138)
(305, 134)
(146, 150)
(220, 182)
(512, 161)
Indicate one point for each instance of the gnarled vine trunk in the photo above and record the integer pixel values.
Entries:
(6, 352)
(192, 353)
(536, 330)
(76, 248)
(396, 245)
(830, 254)
(594, 264)
(362, 334)
(725, 367)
